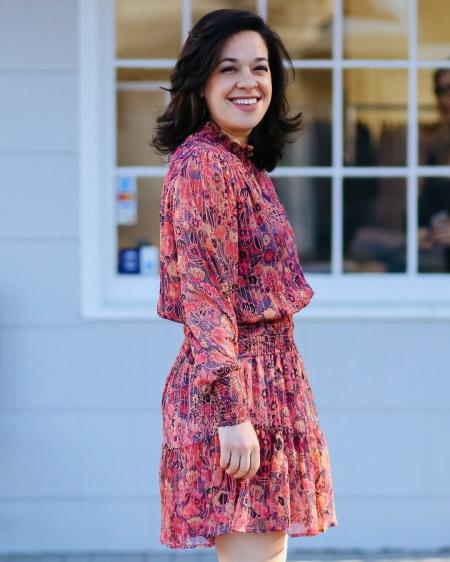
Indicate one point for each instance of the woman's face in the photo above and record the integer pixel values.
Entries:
(239, 89)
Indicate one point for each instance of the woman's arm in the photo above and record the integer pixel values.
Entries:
(206, 239)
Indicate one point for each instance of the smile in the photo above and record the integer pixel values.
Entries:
(245, 101)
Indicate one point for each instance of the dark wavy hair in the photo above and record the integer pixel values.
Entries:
(438, 72)
(187, 110)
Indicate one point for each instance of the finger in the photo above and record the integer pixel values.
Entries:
(244, 466)
(255, 463)
(234, 463)
(225, 456)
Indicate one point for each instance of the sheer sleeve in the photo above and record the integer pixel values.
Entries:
(206, 240)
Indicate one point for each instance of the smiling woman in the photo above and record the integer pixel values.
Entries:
(238, 94)
(222, 68)
(244, 461)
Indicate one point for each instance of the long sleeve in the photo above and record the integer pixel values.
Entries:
(206, 240)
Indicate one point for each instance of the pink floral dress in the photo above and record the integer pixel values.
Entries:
(230, 273)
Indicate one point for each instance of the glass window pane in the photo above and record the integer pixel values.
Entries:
(376, 29)
(434, 224)
(310, 93)
(308, 205)
(374, 225)
(202, 7)
(434, 117)
(137, 219)
(139, 101)
(305, 27)
(375, 116)
(433, 29)
(146, 30)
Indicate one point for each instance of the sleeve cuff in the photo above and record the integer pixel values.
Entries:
(229, 393)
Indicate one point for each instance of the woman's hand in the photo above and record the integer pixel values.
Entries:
(239, 450)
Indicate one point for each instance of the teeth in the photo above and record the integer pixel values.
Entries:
(244, 101)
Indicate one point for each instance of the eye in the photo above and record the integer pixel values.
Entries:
(262, 67)
(225, 68)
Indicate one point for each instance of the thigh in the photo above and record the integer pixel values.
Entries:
(252, 547)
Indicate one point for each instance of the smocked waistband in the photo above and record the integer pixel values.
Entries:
(265, 336)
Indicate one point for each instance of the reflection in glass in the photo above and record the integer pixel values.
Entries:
(434, 224)
(307, 202)
(433, 29)
(305, 27)
(139, 101)
(146, 30)
(137, 219)
(375, 116)
(376, 29)
(202, 7)
(310, 93)
(434, 117)
(374, 225)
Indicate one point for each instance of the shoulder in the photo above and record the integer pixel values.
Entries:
(197, 159)
(198, 175)
(203, 153)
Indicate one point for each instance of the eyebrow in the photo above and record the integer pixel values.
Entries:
(237, 60)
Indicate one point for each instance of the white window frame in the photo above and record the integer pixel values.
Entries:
(106, 294)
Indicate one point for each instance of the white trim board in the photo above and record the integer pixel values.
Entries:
(338, 295)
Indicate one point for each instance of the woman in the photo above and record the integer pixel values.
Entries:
(243, 462)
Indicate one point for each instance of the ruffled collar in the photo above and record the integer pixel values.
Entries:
(213, 131)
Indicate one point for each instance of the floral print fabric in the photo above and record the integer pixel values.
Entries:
(292, 489)
(227, 256)
(230, 272)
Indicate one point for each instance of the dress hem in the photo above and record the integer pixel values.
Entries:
(210, 539)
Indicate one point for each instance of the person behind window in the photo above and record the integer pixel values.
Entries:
(244, 460)
(434, 192)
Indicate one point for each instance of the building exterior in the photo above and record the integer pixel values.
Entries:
(83, 354)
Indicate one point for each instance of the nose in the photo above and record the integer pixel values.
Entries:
(246, 80)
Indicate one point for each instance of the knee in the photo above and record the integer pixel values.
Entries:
(252, 547)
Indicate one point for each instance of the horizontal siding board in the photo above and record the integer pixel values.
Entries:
(133, 525)
(42, 195)
(366, 364)
(39, 365)
(57, 455)
(399, 524)
(388, 455)
(112, 453)
(68, 526)
(39, 34)
(88, 366)
(39, 282)
(42, 111)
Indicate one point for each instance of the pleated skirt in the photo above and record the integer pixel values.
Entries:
(292, 490)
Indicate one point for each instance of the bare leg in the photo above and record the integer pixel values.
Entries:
(252, 547)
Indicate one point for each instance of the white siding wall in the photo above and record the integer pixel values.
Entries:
(80, 429)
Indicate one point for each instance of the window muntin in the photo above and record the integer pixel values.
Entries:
(311, 93)
(131, 295)
(433, 40)
(375, 116)
(148, 30)
(308, 205)
(374, 225)
(139, 101)
(375, 29)
(306, 27)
